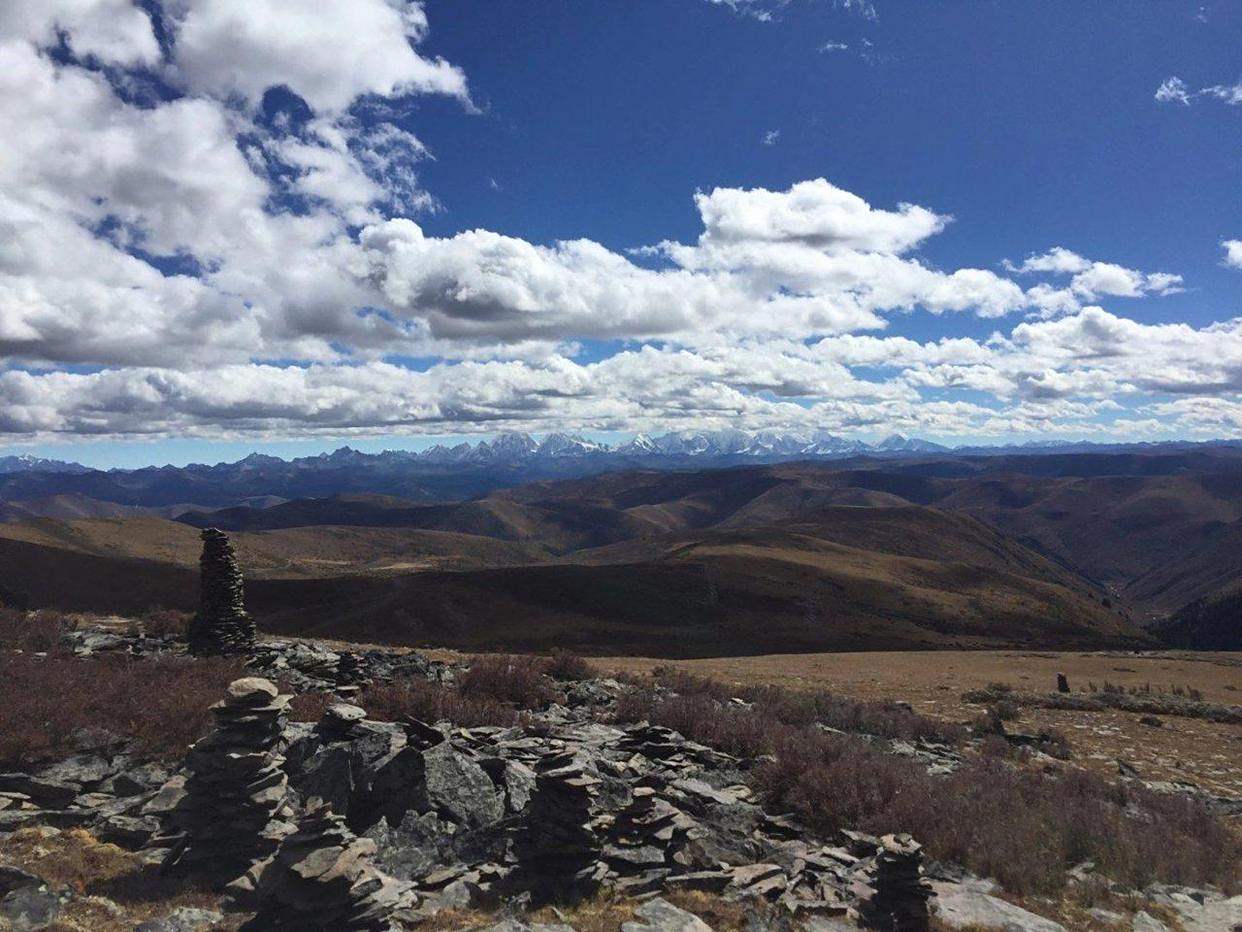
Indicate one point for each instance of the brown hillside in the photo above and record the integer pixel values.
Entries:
(293, 552)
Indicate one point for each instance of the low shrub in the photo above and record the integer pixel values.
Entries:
(1020, 826)
(161, 704)
(1186, 703)
(38, 631)
(162, 622)
(883, 719)
(433, 702)
(732, 729)
(308, 707)
(515, 681)
(566, 665)
(1007, 710)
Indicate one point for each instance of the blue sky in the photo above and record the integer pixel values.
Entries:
(1032, 124)
(462, 217)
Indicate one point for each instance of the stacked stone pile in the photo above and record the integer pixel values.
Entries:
(352, 672)
(898, 894)
(313, 667)
(321, 879)
(234, 810)
(640, 839)
(670, 750)
(558, 846)
(341, 722)
(221, 625)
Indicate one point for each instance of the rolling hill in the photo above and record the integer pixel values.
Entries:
(968, 551)
(793, 557)
(299, 552)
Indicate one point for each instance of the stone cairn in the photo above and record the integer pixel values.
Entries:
(340, 722)
(351, 673)
(233, 812)
(221, 625)
(558, 845)
(900, 894)
(321, 879)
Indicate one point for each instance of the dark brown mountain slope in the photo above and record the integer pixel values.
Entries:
(1213, 623)
(842, 578)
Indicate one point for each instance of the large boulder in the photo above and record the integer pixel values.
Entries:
(439, 779)
(960, 906)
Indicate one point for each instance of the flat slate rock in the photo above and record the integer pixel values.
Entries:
(960, 907)
(182, 919)
(659, 915)
(29, 908)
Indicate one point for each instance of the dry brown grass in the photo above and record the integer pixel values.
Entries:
(90, 868)
(605, 913)
(159, 704)
(314, 551)
(805, 707)
(161, 622)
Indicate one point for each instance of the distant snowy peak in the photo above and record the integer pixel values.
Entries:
(569, 445)
(26, 462)
(516, 448)
(764, 444)
(899, 444)
(641, 445)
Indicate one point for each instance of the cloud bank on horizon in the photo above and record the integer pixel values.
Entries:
(181, 254)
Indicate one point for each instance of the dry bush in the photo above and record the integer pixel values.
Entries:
(566, 665)
(1021, 827)
(161, 704)
(433, 702)
(1025, 829)
(515, 681)
(732, 729)
(1000, 820)
(32, 631)
(884, 719)
(1007, 710)
(161, 622)
(307, 707)
(1184, 702)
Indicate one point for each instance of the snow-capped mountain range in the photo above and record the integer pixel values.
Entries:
(516, 447)
(571, 451)
(26, 462)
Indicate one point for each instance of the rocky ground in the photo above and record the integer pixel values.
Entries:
(564, 820)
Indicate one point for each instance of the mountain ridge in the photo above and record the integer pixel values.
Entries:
(516, 446)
